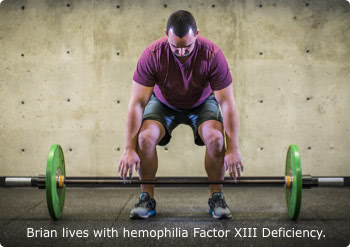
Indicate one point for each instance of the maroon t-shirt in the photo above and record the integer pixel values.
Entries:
(187, 85)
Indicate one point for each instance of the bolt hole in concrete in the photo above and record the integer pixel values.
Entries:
(118, 101)
(260, 6)
(261, 101)
(308, 98)
(68, 52)
(68, 100)
(261, 53)
(118, 6)
(68, 5)
(213, 6)
(261, 148)
(165, 5)
(307, 51)
(22, 102)
(23, 150)
(117, 53)
(70, 150)
(22, 55)
(23, 7)
(309, 148)
(307, 4)
(118, 149)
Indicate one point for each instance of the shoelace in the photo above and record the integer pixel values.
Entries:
(145, 203)
(221, 203)
(218, 203)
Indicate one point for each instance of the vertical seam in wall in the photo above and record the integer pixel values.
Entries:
(94, 75)
(93, 31)
(236, 33)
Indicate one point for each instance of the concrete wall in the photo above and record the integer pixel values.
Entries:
(66, 70)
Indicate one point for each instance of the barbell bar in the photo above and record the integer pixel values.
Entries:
(55, 181)
(81, 182)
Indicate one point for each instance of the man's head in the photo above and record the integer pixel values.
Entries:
(181, 29)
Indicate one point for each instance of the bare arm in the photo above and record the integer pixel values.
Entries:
(137, 103)
(229, 110)
(139, 98)
(232, 161)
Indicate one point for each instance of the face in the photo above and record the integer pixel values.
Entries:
(181, 47)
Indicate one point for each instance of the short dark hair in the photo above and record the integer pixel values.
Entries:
(181, 22)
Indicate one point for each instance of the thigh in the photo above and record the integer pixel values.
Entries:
(204, 118)
(211, 129)
(153, 130)
(160, 114)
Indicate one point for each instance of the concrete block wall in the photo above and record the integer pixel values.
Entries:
(66, 71)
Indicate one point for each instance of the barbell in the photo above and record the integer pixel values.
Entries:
(55, 181)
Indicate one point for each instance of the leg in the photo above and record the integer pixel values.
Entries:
(150, 134)
(211, 132)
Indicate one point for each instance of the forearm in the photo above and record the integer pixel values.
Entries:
(231, 123)
(133, 124)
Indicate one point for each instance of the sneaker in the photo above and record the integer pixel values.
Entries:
(218, 206)
(145, 208)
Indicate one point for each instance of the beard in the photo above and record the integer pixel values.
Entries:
(186, 55)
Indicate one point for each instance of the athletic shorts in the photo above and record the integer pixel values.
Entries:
(171, 118)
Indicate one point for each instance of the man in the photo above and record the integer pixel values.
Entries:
(181, 79)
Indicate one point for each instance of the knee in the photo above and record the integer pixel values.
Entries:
(147, 140)
(215, 142)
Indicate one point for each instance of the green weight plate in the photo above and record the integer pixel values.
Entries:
(55, 167)
(293, 194)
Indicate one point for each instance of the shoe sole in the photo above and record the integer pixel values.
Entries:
(221, 216)
(137, 216)
(224, 216)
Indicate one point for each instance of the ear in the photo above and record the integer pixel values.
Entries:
(197, 31)
(166, 33)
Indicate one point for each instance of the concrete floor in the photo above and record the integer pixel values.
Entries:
(326, 209)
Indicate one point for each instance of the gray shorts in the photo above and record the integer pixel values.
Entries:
(170, 118)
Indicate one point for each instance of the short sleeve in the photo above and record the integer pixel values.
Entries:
(219, 75)
(145, 73)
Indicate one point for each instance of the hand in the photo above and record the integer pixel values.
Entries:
(127, 162)
(233, 163)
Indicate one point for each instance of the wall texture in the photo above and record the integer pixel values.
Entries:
(66, 70)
